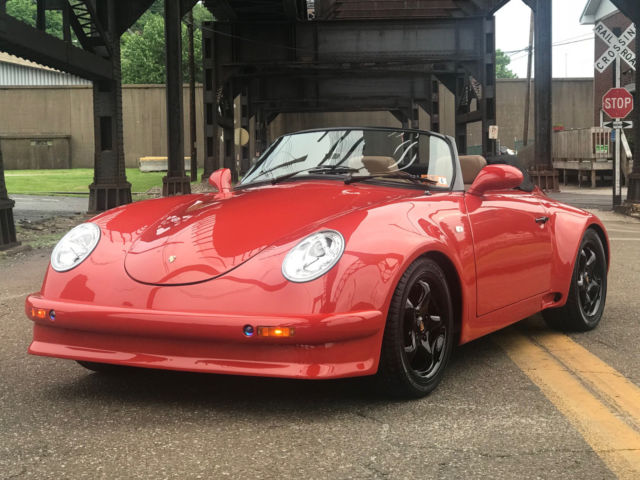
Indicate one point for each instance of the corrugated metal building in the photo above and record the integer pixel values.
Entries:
(15, 71)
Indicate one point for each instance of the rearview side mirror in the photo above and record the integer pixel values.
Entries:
(496, 177)
(221, 180)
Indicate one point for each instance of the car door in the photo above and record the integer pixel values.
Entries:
(512, 247)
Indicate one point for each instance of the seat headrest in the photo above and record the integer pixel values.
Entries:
(379, 164)
(471, 166)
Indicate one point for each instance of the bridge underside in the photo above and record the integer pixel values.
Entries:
(353, 55)
(273, 57)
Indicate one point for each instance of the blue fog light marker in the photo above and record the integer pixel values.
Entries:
(248, 331)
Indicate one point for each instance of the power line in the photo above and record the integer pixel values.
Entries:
(557, 44)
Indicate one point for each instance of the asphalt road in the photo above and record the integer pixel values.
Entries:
(37, 207)
(504, 410)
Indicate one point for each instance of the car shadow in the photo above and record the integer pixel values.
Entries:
(469, 363)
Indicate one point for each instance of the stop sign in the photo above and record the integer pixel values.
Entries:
(617, 103)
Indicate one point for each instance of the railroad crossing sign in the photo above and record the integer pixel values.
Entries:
(617, 103)
(618, 46)
(618, 124)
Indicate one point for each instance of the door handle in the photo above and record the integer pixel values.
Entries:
(542, 220)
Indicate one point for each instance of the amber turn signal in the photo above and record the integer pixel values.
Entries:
(276, 331)
(40, 313)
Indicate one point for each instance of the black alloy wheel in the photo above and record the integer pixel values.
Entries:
(588, 290)
(418, 337)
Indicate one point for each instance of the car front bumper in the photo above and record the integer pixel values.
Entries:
(323, 346)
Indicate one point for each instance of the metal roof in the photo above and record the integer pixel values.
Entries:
(595, 10)
(15, 71)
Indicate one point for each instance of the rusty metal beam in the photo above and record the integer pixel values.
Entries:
(110, 187)
(542, 87)
(175, 182)
(41, 15)
(7, 225)
(20, 39)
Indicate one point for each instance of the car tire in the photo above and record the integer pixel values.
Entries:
(418, 336)
(588, 290)
(106, 368)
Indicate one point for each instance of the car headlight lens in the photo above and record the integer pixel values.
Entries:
(313, 257)
(75, 246)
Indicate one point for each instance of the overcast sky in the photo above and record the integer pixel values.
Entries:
(574, 59)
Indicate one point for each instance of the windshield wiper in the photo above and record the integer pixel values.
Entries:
(330, 170)
(422, 181)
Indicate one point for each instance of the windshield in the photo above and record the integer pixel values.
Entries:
(358, 153)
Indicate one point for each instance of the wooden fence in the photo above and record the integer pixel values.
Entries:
(592, 143)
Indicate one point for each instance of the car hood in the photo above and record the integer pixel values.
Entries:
(208, 236)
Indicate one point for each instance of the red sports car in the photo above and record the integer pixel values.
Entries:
(342, 252)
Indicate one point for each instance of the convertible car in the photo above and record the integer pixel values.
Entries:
(342, 252)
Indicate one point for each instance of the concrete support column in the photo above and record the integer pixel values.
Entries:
(110, 187)
(175, 183)
(542, 87)
(7, 225)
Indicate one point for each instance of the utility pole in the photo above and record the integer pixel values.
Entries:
(192, 100)
(527, 101)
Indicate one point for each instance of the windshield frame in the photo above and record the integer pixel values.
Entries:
(378, 180)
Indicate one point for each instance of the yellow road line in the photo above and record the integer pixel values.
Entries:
(617, 443)
(608, 382)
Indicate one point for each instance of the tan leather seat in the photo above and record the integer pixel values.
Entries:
(471, 166)
(376, 164)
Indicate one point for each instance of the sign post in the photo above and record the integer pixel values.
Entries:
(617, 103)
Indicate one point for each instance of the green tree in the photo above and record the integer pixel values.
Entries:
(502, 65)
(142, 47)
(26, 11)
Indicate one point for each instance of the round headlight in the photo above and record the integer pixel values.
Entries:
(313, 257)
(75, 246)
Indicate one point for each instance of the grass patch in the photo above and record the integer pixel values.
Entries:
(73, 181)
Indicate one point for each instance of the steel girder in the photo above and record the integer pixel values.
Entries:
(20, 39)
(257, 10)
(341, 66)
(98, 26)
(377, 9)
(542, 85)
(7, 225)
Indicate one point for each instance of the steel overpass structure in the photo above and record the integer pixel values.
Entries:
(350, 55)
